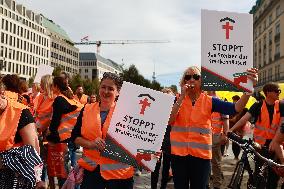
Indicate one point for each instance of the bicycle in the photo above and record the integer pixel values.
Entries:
(255, 181)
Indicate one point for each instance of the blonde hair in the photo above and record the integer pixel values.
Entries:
(167, 90)
(47, 83)
(36, 87)
(194, 69)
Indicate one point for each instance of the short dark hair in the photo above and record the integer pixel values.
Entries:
(235, 98)
(66, 76)
(79, 86)
(116, 79)
(269, 87)
(12, 83)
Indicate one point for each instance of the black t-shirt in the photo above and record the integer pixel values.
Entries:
(60, 106)
(76, 132)
(256, 108)
(25, 119)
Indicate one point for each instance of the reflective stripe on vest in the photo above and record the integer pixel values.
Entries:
(69, 117)
(192, 145)
(217, 125)
(68, 120)
(44, 115)
(112, 167)
(263, 128)
(191, 132)
(89, 161)
(191, 129)
(92, 129)
(216, 118)
(259, 138)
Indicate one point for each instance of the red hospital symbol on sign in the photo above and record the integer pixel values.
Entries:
(227, 26)
(145, 102)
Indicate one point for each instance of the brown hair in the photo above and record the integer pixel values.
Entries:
(115, 78)
(270, 87)
(12, 83)
(62, 85)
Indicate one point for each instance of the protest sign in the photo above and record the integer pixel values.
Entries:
(226, 50)
(41, 71)
(138, 126)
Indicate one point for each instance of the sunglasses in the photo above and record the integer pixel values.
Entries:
(277, 91)
(194, 76)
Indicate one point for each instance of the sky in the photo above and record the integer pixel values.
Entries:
(178, 21)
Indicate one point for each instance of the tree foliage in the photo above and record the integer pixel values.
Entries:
(88, 85)
(56, 72)
(132, 75)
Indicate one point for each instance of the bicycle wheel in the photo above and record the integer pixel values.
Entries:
(237, 177)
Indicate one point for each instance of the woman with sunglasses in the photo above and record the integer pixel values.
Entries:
(266, 115)
(90, 133)
(191, 136)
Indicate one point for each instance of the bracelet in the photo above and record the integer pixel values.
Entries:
(178, 103)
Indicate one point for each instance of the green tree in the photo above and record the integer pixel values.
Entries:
(132, 75)
(90, 86)
(31, 81)
(156, 86)
(174, 88)
(56, 72)
(75, 81)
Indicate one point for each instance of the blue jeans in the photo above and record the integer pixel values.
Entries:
(190, 169)
(72, 153)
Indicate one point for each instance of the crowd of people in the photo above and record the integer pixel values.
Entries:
(50, 122)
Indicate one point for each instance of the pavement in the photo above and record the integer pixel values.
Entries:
(228, 165)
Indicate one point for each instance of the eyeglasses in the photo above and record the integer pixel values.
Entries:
(194, 76)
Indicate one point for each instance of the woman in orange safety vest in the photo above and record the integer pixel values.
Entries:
(191, 135)
(90, 133)
(64, 116)
(43, 114)
(17, 129)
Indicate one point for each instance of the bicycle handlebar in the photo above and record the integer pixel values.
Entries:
(249, 145)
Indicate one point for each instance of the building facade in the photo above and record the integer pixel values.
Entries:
(92, 65)
(24, 40)
(63, 53)
(269, 40)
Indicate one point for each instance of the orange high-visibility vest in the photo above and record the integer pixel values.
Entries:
(217, 123)
(43, 111)
(11, 95)
(9, 120)
(263, 130)
(191, 131)
(68, 120)
(83, 99)
(91, 129)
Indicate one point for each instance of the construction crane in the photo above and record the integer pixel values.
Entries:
(119, 42)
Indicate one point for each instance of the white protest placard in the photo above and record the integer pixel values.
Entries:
(226, 50)
(41, 71)
(138, 126)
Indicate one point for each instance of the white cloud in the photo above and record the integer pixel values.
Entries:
(177, 21)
